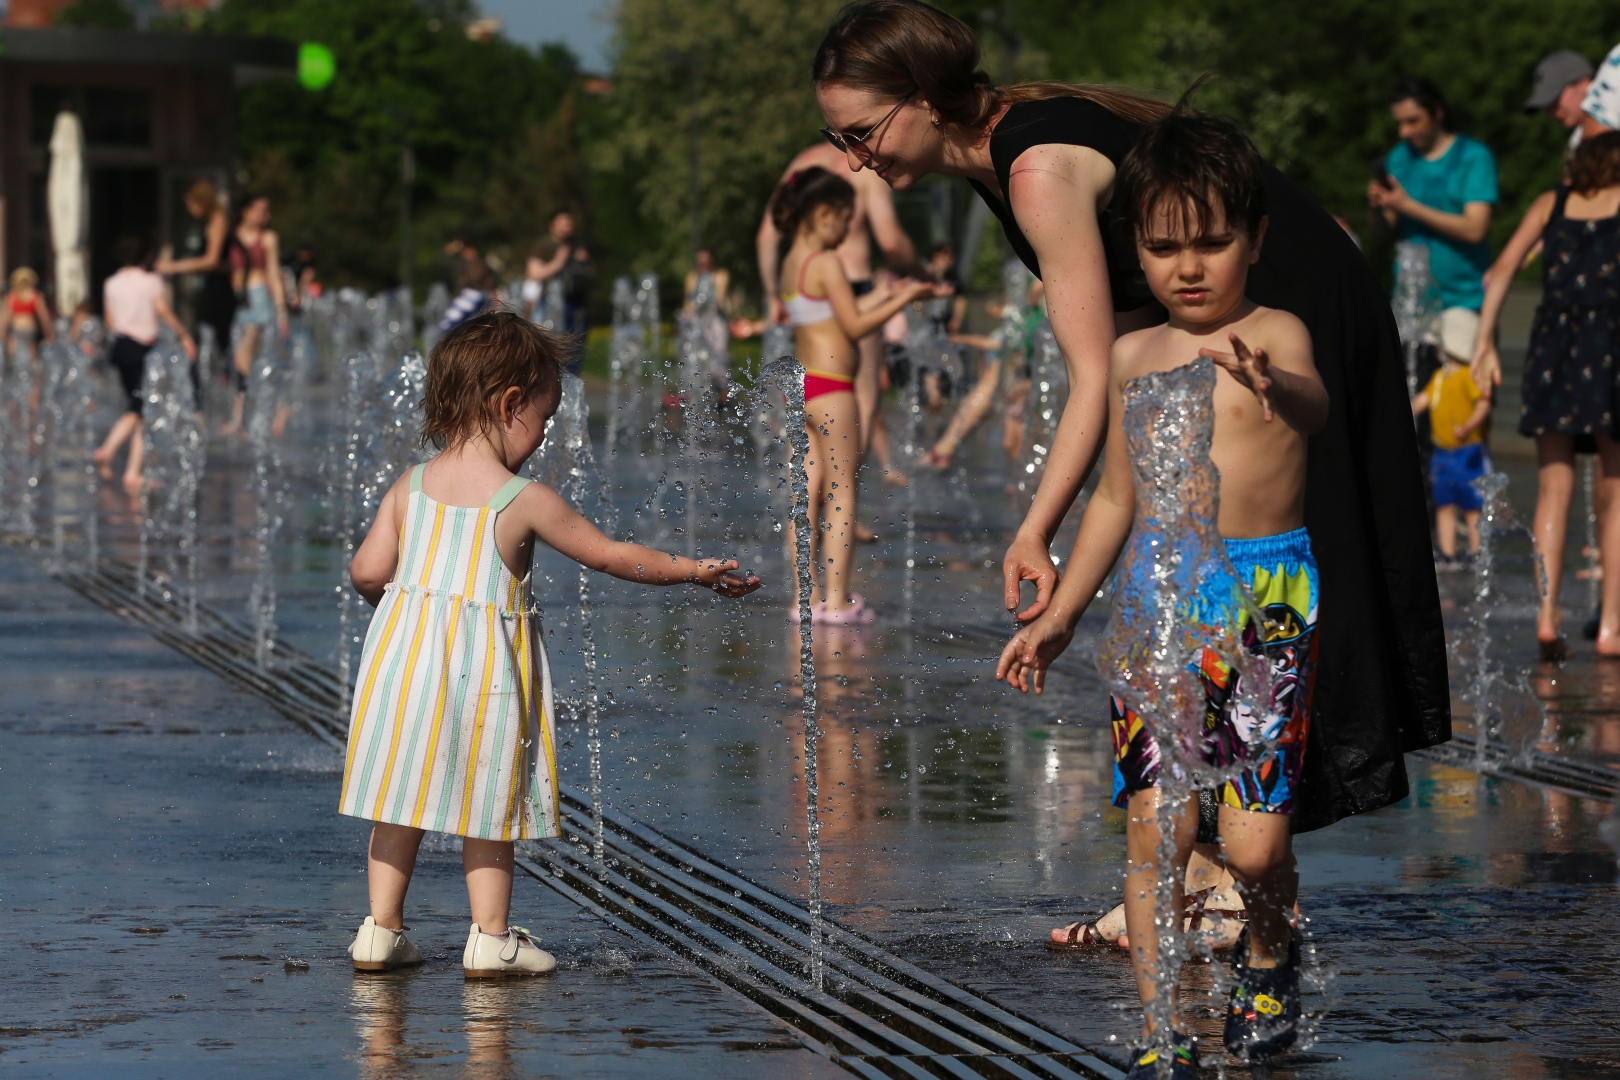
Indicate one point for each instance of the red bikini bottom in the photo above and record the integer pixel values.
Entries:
(817, 383)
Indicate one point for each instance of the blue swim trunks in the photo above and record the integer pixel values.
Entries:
(1280, 572)
(1452, 473)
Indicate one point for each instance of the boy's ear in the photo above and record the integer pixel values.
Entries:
(1258, 240)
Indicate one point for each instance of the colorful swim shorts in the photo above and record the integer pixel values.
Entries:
(1281, 573)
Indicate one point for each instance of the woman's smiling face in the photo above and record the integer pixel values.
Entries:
(902, 150)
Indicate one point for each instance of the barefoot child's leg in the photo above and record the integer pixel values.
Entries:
(835, 417)
(1142, 882)
(1260, 853)
(389, 865)
(488, 865)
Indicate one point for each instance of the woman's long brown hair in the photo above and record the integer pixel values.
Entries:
(898, 47)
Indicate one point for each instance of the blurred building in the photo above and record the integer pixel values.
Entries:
(157, 110)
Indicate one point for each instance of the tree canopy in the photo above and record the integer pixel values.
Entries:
(504, 135)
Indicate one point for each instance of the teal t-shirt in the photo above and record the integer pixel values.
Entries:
(1465, 173)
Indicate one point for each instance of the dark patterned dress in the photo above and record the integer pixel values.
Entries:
(1570, 374)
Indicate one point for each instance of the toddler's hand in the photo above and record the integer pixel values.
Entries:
(1031, 651)
(1459, 432)
(713, 574)
(1249, 367)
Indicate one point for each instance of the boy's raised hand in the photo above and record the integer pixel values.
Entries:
(1251, 367)
(715, 574)
(1031, 651)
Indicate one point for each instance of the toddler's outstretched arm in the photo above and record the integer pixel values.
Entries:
(571, 533)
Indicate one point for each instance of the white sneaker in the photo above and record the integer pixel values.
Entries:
(377, 948)
(514, 953)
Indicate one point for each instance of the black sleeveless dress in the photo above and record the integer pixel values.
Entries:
(1381, 686)
(1570, 374)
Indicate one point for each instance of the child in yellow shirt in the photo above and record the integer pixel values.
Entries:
(1457, 410)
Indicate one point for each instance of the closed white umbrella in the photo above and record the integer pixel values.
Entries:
(64, 195)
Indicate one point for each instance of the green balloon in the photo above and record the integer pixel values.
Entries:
(316, 66)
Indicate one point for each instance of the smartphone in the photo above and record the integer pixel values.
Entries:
(1380, 171)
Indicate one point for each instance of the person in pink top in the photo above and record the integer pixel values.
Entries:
(134, 301)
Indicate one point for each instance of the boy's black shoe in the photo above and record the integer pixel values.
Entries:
(1183, 1055)
(1263, 1018)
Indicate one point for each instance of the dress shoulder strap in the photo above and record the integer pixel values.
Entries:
(1558, 202)
(509, 491)
(416, 478)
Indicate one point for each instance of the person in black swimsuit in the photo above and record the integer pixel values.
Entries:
(898, 83)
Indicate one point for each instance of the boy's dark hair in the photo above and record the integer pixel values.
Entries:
(1421, 89)
(1596, 163)
(1192, 162)
(134, 251)
(475, 363)
(802, 192)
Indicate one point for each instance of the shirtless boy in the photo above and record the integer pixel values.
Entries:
(1192, 188)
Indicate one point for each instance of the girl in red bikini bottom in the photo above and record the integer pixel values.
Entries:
(814, 207)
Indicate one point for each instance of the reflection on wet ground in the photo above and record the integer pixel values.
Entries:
(179, 892)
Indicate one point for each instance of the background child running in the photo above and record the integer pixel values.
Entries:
(451, 729)
(1192, 187)
(1458, 409)
(135, 301)
(814, 207)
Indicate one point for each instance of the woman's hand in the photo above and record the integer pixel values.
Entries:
(1024, 661)
(1486, 365)
(715, 574)
(1027, 559)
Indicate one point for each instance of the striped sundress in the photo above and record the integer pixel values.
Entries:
(451, 728)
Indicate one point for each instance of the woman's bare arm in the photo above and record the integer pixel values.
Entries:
(212, 254)
(1487, 366)
(1055, 192)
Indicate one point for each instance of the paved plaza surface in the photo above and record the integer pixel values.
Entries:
(177, 890)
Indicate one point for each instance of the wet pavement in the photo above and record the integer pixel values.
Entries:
(177, 890)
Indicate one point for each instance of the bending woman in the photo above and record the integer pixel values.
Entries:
(898, 83)
(814, 207)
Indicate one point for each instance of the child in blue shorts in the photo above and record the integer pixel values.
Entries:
(1192, 189)
(1457, 410)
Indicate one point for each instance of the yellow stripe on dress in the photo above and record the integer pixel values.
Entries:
(478, 732)
(408, 682)
(432, 755)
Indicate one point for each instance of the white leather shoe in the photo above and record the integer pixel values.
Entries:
(377, 948)
(490, 955)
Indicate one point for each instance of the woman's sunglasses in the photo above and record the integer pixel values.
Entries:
(846, 143)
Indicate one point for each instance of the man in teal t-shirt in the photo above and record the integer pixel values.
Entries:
(1441, 191)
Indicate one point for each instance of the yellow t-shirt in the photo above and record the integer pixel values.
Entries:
(1452, 396)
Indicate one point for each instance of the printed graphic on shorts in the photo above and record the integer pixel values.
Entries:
(1286, 594)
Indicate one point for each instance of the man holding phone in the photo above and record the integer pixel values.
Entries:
(1438, 188)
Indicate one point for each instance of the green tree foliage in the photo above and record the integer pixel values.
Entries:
(753, 110)
(492, 124)
(1312, 81)
(99, 14)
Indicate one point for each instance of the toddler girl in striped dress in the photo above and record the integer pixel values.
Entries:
(451, 729)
